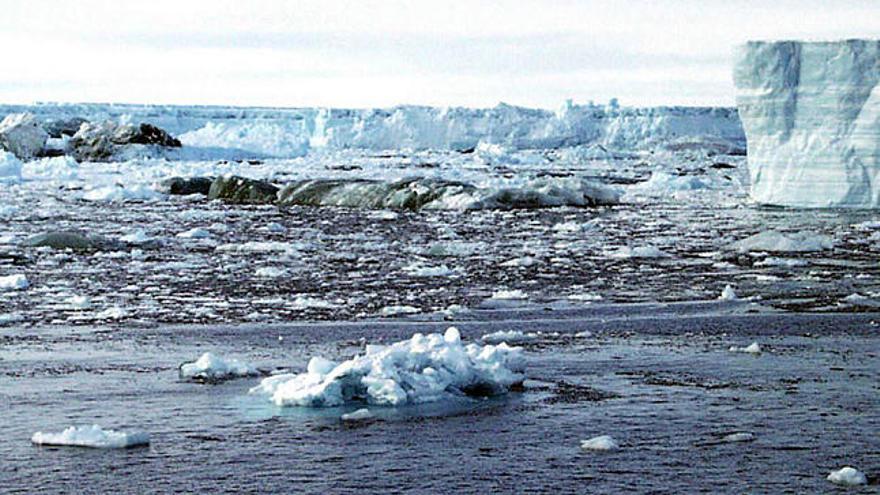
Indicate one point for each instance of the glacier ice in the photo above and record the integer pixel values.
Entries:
(811, 114)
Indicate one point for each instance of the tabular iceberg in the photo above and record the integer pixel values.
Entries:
(811, 113)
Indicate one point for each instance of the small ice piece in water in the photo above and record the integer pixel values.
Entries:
(847, 476)
(359, 415)
(509, 294)
(399, 310)
(194, 233)
(212, 368)
(111, 313)
(417, 270)
(627, 252)
(728, 294)
(585, 297)
(772, 241)
(137, 237)
(425, 368)
(270, 272)
(79, 302)
(738, 437)
(752, 348)
(14, 282)
(92, 436)
(600, 444)
(275, 227)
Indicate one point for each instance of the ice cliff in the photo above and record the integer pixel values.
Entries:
(811, 114)
(291, 132)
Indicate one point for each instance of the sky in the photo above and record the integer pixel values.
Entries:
(369, 53)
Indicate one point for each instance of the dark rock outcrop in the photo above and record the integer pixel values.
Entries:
(240, 190)
(187, 185)
(101, 142)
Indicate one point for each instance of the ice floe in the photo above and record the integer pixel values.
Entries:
(777, 242)
(728, 294)
(510, 336)
(637, 252)
(14, 282)
(92, 436)
(847, 476)
(752, 348)
(425, 368)
(10, 167)
(359, 415)
(602, 443)
(212, 368)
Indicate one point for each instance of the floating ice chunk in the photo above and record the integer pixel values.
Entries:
(568, 227)
(585, 297)
(212, 368)
(627, 252)
(194, 233)
(782, 262)
(523, 261)
(111, 313)
(399, 310)
(260, 247)
(847, 476)
(137, 237)
(663, 183)
(270, 272)
(425, 368)
(275, 227)
(14, 282)
(509, 336)
(728, 294)
(777, 242)
(305, 302)
(359, 415)
(602, 443)
(92, 436)
(738, 437)
(10, 167)
(857, 299)
(509, 294)
(752, 348)
(78, 302)
(137, 192)
(417, 270)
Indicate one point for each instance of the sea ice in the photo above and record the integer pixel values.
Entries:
(10, 167)
(14, 282)
(92, 436)
(602, 443)
(270, 272)
(194, 233)
(777, 242)
(627, 252)
(504, 294)
(425, 368)
(212, 368)
(359, 415)
(728, 294)
(396, 310)
(136, 192)
(752, 348)
(509, 336)
(847, 476)
(738, 437)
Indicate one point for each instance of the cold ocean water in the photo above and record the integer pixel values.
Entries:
(627, 309)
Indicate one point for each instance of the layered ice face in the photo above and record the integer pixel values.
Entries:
(811, 113)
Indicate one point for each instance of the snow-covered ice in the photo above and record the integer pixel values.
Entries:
(425, 368)
(210, 367)
(92, 436)
(602, 443)
(847, 476)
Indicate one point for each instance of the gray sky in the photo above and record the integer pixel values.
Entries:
(381, 53)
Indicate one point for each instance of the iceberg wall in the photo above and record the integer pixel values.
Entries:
(291, 132)
(811, 114)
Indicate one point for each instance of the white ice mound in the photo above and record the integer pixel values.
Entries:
(213, 368)
(847, 476)
(425, 368)
(811, 114)
(22, 134)
(10, 167)
(92, 436)
(14, 282)
(752, 348)
(772, 241)
(600, 444)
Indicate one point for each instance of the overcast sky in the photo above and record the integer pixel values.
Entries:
(382, 53)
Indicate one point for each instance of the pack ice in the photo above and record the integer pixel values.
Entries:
(425, 368)
(811, 114)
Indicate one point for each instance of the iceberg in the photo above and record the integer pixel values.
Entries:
(811, 115)
(425, 368)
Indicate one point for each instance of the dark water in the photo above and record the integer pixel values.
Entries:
(657, 378)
